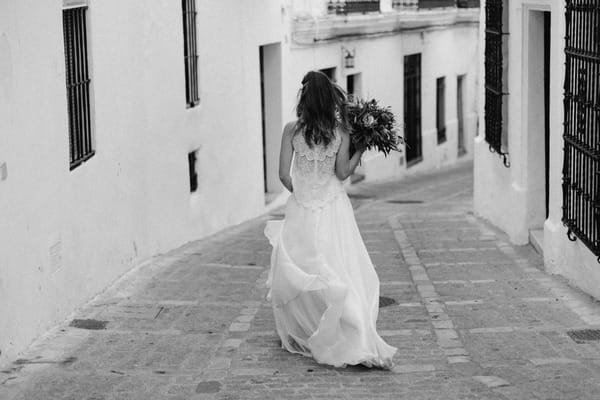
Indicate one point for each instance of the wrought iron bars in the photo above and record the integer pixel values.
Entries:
(494, 77)
(468, 3)
(436, 3)
(352, 6)
(78, 86)
(190, 52)
(581, 166)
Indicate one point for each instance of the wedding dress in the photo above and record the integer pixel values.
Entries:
(322, 284)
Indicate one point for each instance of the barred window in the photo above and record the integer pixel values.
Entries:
(190, 52)
(78, 85)
(494, 78)
(581, 166)
(440, 112)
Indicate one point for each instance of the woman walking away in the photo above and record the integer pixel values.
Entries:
(322, 284)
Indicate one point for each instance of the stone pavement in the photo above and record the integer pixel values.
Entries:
(473, 318)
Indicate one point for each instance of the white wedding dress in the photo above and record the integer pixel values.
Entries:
(322, 284)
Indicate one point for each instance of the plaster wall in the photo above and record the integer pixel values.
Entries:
(66, 234)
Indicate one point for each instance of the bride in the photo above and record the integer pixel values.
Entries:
(322, 284)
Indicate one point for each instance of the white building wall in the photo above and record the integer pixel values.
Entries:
(67, 234)
(511, 197)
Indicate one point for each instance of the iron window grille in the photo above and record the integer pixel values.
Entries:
(468, 3)
(78, 80)
(436, 3)
(405, 4)
(440, 112)
(581, 166)
(190, 52)
(494, 82)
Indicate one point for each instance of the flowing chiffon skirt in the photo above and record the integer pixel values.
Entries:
(323, 286)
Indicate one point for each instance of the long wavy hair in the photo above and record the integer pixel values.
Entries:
(321, 107)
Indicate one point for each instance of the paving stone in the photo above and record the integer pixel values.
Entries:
(412, 368)
(491, 381)
(458, 359)
(552, 360)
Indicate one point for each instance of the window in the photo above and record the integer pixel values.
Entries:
(190, 52)
(494, 78)
(440, 115)
(581, 166)
(193, 173)
(78, 80)
(412, 108)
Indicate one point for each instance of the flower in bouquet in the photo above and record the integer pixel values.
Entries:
(372, 126)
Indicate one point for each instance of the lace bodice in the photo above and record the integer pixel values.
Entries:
(313, 173)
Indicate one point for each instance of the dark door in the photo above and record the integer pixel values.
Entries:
(460, 83)
(262, 113)
(412, 108)
(547, 105)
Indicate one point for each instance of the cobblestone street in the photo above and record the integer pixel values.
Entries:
(473, 317)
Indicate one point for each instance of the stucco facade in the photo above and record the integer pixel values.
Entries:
(67, 234)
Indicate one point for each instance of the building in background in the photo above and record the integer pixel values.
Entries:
(130, 128)
(537, 160)
(417, 56)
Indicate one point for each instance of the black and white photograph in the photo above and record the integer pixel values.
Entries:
(299, 199)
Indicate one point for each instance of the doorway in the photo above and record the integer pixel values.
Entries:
(538, 122)
(271, 116)
(460, 113)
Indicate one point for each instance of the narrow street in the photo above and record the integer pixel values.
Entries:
(473, 317)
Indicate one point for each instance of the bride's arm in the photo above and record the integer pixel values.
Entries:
(285, 156)
(344, 164)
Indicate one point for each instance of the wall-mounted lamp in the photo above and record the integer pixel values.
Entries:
(348, 57)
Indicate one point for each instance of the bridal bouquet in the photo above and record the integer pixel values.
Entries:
(372, 126)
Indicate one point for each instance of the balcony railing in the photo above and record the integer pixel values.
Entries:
(426, 4)
(436, 3)
(468, 3)
(352, 6)
(397, 4)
